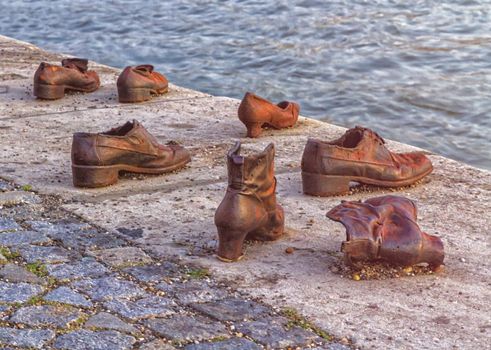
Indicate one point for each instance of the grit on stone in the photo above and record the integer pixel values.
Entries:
(18, 292)
(158, 345)
(183, 328)
(11, 239)
(90, 340)
(122, 257)
(8, 224)
(86, 267)
(66, 295)
(54, 228)
(231, 309)
(272, 332)
(28, 338)
(46, 315)
(104, 320)
(18, 197)
(46, 255)
(153, 273)
(193, 291)
(229, 344)
(143, 308)
(86, 239)
(108, 288)
(16, 273)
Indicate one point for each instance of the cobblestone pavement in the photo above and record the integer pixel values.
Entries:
(65, 284)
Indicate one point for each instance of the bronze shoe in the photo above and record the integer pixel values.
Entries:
(256, 112)
(139, 83)
(359, 155)
(385, 228)
(51, 82)
(249, 209)
(97, 159)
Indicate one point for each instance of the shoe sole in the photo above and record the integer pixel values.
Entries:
(100, 176)
(332, 185)
(134, 95)
(55, 92)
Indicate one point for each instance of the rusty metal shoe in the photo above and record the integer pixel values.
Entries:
(256, 112)
(249, 209)
(97, 159)
(360, 156)
(139, 83)
(385, 228)
(51, 82)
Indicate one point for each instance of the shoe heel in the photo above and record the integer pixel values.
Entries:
(94, 176)
(230, 243)
(254, 129)
(324, 185)
(131, 95)
(49, 92)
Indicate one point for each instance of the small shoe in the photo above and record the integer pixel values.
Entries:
(97, 159)
(385, 228)
(256, 112)
(249, 209)
(139, 83)
(51, 81)
(360, 156)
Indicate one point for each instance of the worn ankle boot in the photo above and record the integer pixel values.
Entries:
(249, 209)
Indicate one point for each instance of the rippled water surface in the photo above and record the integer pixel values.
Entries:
(415, 71)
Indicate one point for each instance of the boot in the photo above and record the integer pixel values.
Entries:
(249, 209)
(385, 228)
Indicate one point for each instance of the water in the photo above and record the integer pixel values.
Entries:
(415, 71)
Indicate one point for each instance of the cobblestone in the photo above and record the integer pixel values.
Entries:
(90, 340)
(28, 338)
(108, 288)
(66, 295)
(11, 239)
(18, 197)
(231, 309)
(105, 320)
(15, 273)
(143, 308)
(236, 343)
(18, 292)
(153, 273)
(182, 328)
(273, 333)
(85, 239)
(46, 255)
(193, 291)
(57, 227)
(46, 315)
(122, 257)
(86, 267)
(8, 224)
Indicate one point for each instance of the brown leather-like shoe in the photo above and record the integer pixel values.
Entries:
(51, 82)
(385, 228)
(249, 209)
(98, 158)
(139, 83)
(361, 156)
(256, 112)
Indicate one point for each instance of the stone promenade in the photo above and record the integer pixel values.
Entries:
(66, 284)
(133, 263)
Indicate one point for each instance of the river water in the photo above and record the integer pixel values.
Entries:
(415, 71)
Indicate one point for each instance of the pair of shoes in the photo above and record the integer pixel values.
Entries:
(249, 210)
(135, 84)
(256, 113)
(98, 158)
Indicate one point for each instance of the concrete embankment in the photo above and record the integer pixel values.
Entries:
(441, 311)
